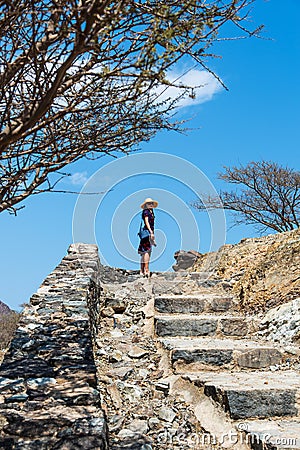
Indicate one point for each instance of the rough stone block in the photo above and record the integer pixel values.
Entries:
(167, 287)
(246, 395)
(255, 403)
(243, 353)
(179, 304)
(214, 357)
(184, 259)
(185, 326)
(259, 358)
(221, 304)
(118, 305)
(234, 326)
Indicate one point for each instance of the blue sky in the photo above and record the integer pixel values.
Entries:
(258, 118)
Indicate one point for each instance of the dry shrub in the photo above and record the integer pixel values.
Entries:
(8, 325)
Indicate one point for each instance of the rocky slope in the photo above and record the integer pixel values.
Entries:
(8, 323)
(262, 272)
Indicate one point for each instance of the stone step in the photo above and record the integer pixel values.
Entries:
(271, 434)
(161, 287)
(181, 283)
(252, 394)
(184, 274)
(188, 304)
(203, 325)
(180, 287)
(214, 353)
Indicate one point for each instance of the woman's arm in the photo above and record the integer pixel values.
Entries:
(148, 226)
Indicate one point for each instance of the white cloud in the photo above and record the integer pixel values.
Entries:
(78, 178)
(207, 84)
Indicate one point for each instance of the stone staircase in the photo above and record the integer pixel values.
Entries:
(176, 364)
(213, 346)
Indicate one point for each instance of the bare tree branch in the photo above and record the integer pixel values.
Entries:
(82, 78)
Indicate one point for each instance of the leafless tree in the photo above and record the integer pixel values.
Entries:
(268, 196)
(81, 78)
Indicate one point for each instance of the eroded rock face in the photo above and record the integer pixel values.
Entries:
(48, 385)
(262, 272)
(282, 324)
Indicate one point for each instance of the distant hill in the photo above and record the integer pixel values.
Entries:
(4, 309)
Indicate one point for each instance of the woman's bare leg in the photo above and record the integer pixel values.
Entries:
(142, 269)
(146, 263)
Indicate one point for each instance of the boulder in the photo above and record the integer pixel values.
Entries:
(185, 259)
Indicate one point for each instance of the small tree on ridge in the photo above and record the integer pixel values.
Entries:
(267, 196)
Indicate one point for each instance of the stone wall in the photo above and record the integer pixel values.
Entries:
(48, 386)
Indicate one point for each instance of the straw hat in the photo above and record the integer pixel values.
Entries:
(149, 200)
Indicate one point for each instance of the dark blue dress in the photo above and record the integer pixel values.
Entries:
(145, 244)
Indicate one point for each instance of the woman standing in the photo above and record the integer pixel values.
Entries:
(146, 243)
